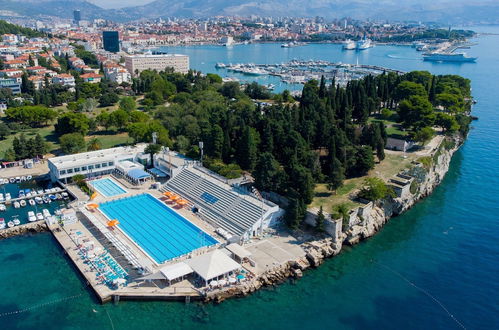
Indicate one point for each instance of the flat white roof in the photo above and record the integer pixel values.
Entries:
(156, 55)
(177, 270)
(95, 156)
(238, 250)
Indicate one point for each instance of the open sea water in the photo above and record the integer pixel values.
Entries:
(435, 267)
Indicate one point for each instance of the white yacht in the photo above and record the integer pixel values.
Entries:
(22, 202)
(46, 213)
(16, 221)
(17, 205)
(31, 216)
(39, 216)
(10, 224)
(32, 202)
(1, 197)
(349, 44)
(2, 223)
(3, 207)
(7, 197)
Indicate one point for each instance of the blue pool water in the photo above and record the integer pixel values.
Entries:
(157, 229)
(107, 187)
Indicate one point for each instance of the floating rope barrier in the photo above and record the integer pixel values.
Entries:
(24, 310)
(438, 302)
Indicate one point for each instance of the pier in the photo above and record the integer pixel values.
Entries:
(12, 200)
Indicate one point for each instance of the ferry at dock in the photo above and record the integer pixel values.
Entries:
(349, 44)
(364, 44)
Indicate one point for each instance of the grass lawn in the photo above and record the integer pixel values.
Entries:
(110, 139)
(393, 129)
(46, 132)
(390, 166)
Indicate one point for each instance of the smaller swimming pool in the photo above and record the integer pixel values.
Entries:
(107, 187)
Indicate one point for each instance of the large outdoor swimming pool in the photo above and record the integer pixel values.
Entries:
(160, 231)
(107, 187)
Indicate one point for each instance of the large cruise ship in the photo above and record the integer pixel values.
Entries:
(349, 44)
(364, 44)
(448, 57)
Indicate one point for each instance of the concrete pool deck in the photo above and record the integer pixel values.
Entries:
(267, 253)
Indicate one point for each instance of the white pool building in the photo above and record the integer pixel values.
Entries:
(95, 163)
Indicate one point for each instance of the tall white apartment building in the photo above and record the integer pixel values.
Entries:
(139, 63)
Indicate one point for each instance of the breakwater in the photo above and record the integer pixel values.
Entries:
(32, 227)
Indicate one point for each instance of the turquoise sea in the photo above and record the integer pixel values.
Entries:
(435, 267)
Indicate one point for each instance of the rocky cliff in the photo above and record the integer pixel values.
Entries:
(425, 176)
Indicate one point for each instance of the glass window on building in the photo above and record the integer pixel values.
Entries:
(90, 167)
(104, 164)
(83, 168)
(62, 172)
(70, 171)
(97, 165)
(77, 169)
(111, 163)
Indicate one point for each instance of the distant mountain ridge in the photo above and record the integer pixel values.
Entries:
(424, 10)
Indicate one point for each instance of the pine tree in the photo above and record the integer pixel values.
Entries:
(320, 220)
(247, 149)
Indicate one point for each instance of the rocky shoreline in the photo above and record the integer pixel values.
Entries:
(365, 225)
(28, 228)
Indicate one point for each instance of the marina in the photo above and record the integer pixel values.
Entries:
(299, 72)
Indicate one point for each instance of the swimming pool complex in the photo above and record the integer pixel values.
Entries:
(107, 187)
(160, 231)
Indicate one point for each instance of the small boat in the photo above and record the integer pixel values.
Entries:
(7, 197)
(5, 181)
(17, 205)
(16, 221)
(65, 195)
(12, 180)
(2, 223)
(23, 178)
(58, 196)
(39, 192)
(46, 213)
(32, 202)
(39, 216)
(38, 200)
(52, 197)
(21, 193)
(46, 200)
(3, 207)
(10, 224)
(31, 216)
(22, 203)
(18, 179)
(28, 194)
(1, 197)
(28, 177)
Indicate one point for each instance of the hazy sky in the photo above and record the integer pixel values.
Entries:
(119, 3)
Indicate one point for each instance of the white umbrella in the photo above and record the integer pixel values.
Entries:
(222, 282)
(232, 280)
(213, 283)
